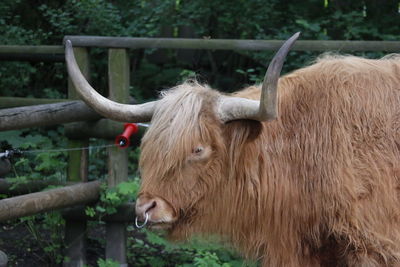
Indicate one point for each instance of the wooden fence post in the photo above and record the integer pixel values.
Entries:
(75, 230)
(3, 259)
(118, 75)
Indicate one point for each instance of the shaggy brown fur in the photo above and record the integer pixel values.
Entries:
(319, 186)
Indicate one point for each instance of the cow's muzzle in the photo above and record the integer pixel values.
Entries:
(154, 212)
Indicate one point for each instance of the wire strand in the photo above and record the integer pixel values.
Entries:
(67, 149)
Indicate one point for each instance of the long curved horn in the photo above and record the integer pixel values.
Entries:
(235, 108)
(104, 106)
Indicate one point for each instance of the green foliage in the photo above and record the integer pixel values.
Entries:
(107, 263)
(23, 22)
(37, 163)
(47, 236)
(95, 17)
(208, 259)
(156, 250)
(111, 198)
(252, 74)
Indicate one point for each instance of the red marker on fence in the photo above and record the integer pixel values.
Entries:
(123, 140)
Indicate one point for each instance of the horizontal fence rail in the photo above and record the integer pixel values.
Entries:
(56, 52)
(10, 188)
(29, 204)
(227, 44)
(46, 114)
(18, 113)
(45, 53)
(31, 49)
(12, 102)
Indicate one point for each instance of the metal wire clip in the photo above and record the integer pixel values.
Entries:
(10, 153)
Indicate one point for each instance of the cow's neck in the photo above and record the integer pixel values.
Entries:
(259, 201)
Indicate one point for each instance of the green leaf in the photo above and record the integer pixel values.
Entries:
(89, 211)
(100, 209)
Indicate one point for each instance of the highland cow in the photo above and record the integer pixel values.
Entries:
(307, 176)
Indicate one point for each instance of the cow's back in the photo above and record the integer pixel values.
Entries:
(347, 112)
(338, 140)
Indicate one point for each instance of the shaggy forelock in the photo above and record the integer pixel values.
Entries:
(175, 126)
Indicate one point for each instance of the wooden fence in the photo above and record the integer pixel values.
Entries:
(18, 113)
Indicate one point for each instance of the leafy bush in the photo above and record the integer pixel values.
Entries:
(154, 250)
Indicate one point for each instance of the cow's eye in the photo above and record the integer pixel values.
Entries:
(199, 154)
(198, 150)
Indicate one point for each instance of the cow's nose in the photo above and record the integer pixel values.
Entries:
(154, 209)
(143, 207)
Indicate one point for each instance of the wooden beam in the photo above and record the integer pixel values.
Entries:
(33, 57)
(29, 204)
(75, 243)
(44, 115)
(78, 161)
(55, 53)
(230, 44)
(103, 128)
(31, 49)
(118, 76)
(41, 53)
(12, 102)
(5, 167)
(10, 188)
(3, 259)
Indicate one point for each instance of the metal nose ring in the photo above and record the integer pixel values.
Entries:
(145, 221)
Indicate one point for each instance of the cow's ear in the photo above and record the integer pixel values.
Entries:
(242, 131)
